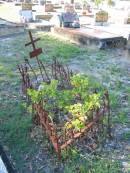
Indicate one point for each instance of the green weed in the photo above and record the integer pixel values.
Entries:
(79, 163)
(121, 118)
(126, 135)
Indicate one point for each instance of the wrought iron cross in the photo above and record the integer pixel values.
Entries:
(36, 51)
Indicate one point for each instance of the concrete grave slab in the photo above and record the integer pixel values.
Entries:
(122, 30)
(43, 25)
(91, 37)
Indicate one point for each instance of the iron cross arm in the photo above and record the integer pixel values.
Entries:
(27, 44)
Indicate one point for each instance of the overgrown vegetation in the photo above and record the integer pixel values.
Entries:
(76, 102)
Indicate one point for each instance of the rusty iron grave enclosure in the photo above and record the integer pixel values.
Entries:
(31, 79)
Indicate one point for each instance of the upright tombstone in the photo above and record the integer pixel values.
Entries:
(41, 2)
(69, 18)
(86, 11)
(128, 18)
(101, 17)
(127, 21)
(49, 8)
(26, 12)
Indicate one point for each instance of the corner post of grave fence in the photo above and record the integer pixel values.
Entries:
(66, 140)
(59, 154)
(33, 110)
(58, 148)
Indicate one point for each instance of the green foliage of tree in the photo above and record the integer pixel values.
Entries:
(97, 2)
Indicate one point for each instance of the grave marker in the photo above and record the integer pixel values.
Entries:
(128, 20)
(49, 8)
(36, 51)
(101, 17)
(26, 6)
(26, 12)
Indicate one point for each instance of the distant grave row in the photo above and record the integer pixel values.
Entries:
(27, 14)
(48, 7)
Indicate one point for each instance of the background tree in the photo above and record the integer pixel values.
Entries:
(97, 2)
(110, 2)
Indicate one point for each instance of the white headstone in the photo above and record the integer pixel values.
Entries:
(26, 16)
(26, 12)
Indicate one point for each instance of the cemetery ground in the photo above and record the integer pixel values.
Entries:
(27, 146)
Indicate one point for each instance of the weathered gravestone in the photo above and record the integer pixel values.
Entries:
(128, 18)
(69, 18)
(101, 17)
(26, 12)
(44, 16)
(43, 12)
(49, 8)
(86, 10)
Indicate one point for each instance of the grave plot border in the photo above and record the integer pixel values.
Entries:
(63, 141)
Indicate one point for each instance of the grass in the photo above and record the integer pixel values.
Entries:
(79, 163)
(121, 118)
(126, 136)
(95, 165)
(16, 126)
(62, 50)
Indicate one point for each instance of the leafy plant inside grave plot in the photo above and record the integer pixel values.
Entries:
(72, 106)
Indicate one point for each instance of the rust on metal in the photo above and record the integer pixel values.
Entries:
(26, 82)
(62, 142)
(35, 53)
